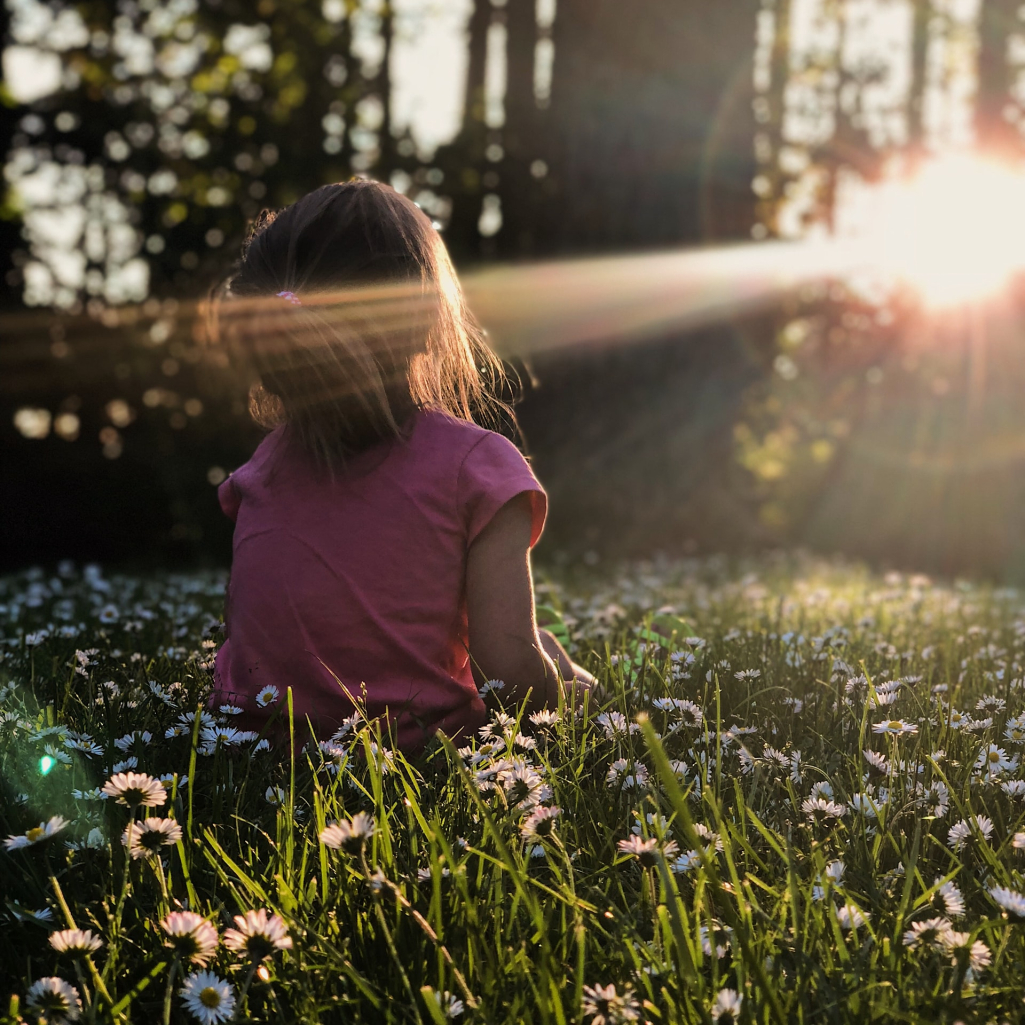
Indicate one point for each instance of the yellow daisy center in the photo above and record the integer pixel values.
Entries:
(896, 724)
(210, 997)
(994, 756)
(35, 834)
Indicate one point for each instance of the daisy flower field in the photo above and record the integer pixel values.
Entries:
(798, 797)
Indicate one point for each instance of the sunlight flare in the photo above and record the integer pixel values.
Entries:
(954, 232)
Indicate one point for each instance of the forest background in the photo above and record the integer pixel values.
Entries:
(143, 136)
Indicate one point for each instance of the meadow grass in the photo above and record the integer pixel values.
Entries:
(800, 801)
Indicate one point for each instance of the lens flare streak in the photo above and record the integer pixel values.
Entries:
(537, 307)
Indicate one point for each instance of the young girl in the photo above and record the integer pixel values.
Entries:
(381, 546)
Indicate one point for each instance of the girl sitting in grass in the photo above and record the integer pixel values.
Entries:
(382, 538)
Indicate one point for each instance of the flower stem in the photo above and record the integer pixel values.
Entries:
(115, 933)
(169, 991)
(390, 942)
(244, 992)
(90, 964)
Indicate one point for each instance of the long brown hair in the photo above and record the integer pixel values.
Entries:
(374, 325)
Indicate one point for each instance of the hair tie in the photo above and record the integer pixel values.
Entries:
(290, 297)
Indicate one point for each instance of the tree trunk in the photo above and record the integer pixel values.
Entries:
(916, 94)
(993, 130)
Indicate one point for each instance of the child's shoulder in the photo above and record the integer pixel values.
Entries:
(267, 447)
(457, 436)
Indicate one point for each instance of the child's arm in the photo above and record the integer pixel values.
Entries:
(504, 641)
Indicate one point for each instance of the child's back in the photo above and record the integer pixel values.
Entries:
(382, 538)
(356, 583)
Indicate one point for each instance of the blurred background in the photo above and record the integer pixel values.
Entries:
(757, 261)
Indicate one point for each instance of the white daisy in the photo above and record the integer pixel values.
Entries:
(949, 895)
(959, 946)
(865, 804)
(490, 687)
(184, 725)
(129, 740)
(711, 840)
(191, 936)
(645, 851)
(95, 794)
(1014, 734)
(523, 785)
(54, 1000)
(44, 916)
(878, 764)
(961, 833)
(349, 834)
(209, 999)
(629, 776)
(775, 759)
(108, 614)
(606, 1007)
(449, 1004)
(990, 703)
(37, 834)
(833, 875)
(84, 744)
(258, 934)
(384, 758)
(931, 932)
(615, 724)
(75, 941)
(268, 696)
(167, 780)
(56, 755)
(500, 724)
(819, 809)
(686, 862)
(850, 916)
(690, 713)
(993, 760)
(735, 732)
(726, 1007)
(894, 727)
(94, 840)
(136, 790)
(1010, 900)
(540, 822)
(979, 725)
(935, 798)
(721, 935)
(144, 839)
(212, 737)
(545, 718)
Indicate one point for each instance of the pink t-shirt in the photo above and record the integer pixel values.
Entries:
(359, 582)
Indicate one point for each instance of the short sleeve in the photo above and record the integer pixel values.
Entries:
(493, 473)
(229, 498)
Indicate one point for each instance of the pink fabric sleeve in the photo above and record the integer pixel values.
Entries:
(492, 474)
(229, 499)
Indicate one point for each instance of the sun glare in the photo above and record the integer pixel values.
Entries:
(955, 232)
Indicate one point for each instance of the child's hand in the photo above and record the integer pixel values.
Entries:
(583, 683)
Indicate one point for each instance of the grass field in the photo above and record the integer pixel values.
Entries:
(806, 804)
